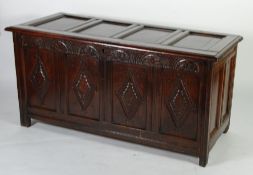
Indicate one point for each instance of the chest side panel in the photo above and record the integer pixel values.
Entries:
(222, 90)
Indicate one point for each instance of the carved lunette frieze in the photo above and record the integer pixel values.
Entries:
(58, 45)
(175, 63)
(130, 57)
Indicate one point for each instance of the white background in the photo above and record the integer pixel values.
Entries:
(45, 149)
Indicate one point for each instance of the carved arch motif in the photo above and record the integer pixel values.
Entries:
(187, 66)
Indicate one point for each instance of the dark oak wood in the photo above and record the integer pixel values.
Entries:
(163, 87)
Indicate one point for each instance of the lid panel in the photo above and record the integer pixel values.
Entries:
(62, 24)
(105, 29)
(194, 41)
(148, 35)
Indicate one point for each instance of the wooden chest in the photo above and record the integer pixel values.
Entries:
(163, 87)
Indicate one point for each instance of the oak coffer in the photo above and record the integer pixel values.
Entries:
(159, 86)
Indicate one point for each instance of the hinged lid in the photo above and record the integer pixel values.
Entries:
(147, 36)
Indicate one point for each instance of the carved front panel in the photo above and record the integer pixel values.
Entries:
(40, 78)
(129, 95)
(179, 93)
(83, 87)
(129, 91)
